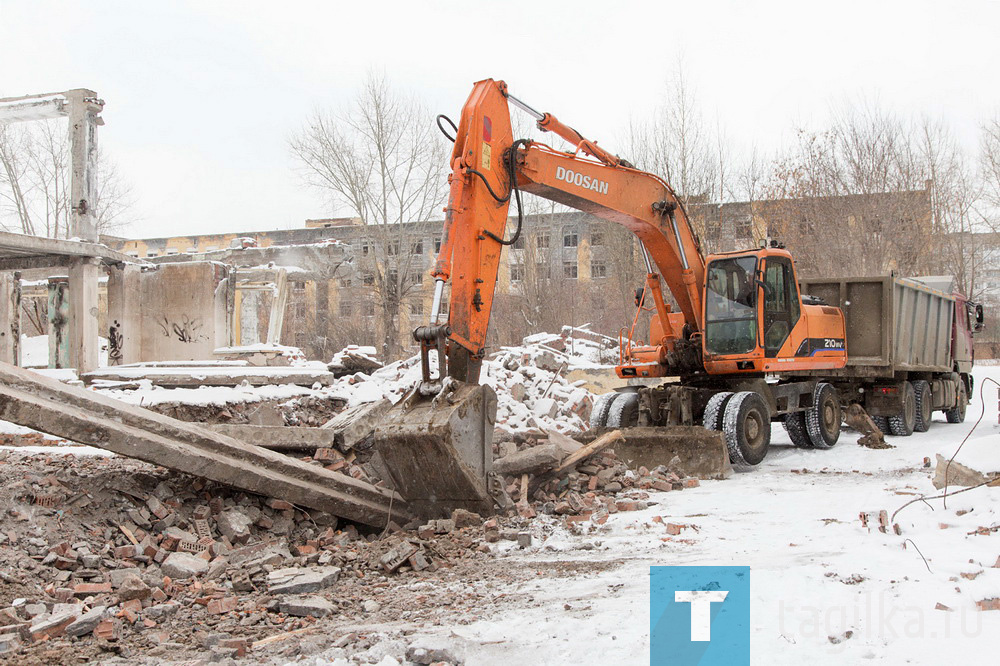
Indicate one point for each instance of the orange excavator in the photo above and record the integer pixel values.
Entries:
(739, 326)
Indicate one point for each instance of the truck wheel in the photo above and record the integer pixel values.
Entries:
(924, 405)
(957, 413)
(823, 418)
(746, 426)
(714, 409)
(795, 426)
(902, 424)
(599, 414)
(624, 412)
(883, 423)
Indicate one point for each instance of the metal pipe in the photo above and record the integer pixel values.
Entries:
(436, 304)
(680, 243)
(527, 109)
(645, 257)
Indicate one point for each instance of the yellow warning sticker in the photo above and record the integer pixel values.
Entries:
(487, 153)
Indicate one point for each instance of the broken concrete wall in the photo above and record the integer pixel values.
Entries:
(183, 311)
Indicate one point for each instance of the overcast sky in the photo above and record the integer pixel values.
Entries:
(202, 95)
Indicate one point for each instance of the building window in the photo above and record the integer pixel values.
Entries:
(152, 253)
(437, 244)
(369, 279)
(516, 272)
(542, 241)
(598, 269)
(416, 278)
(570, 239)
(543, 271)
(300, 311)
(519, 243)
(345, 309)
(172, 250)
(133, 253)
(298, 287)
(345, 282)
(392, 248)
(418, 247)
(369, 308)
(366, 248)
(596, 238)
(417, 308)
(569, 270)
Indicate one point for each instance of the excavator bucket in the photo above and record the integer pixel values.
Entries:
(439, 449)
(686, 450)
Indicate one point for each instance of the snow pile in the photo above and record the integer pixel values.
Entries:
(572, 349)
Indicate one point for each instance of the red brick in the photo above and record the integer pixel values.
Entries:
(125, 552)
(988, 604)
(624, 505)
(304, 549)
(224, 605)
(159, 595)
(330, 454)
(583, 517)
(88, 589)
(279, 505)
(238, 644)
(674, 529)
(691, 483)
(109, 629)
(134, 605)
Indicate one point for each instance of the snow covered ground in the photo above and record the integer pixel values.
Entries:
(816, 573)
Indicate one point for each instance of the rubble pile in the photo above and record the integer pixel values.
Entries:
(533, 393)
(561, 477)
(103, 556)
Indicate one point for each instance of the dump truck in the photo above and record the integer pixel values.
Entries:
(909, 348)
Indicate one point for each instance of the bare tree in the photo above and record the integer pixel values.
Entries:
(34, 183)
(381, 158)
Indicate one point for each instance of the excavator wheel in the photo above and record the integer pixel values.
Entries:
(902, 424)
(599, 414)
(823, 418)
(924, 405)
(746, 426)
(795, 426)
(624, 411)
(714, 410)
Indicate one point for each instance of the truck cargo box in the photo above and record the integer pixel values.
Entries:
(893, 324)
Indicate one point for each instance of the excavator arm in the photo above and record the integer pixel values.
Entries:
(490, 168)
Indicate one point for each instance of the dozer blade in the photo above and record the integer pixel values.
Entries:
(439, 450)
(699, 452)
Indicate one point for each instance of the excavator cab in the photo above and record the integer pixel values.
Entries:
(755, 321)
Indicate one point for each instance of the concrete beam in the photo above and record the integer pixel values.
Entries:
(124, 315)
(84, 112)
(278, 438)
(19, 109)
(77, 414)
(36, 245)
(31, 262)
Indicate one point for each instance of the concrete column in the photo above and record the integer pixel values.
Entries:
(83, 311)
(124, 315)
(58, 319)
(84, 108)
(10, 321)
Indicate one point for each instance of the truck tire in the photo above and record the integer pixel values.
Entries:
(746, 426)
(957, 413)
(902, 424)
(924, 406)
(714, 410)
(883, 423)
(624, 411)
(599, 414)
(823, 418)
(795, 426)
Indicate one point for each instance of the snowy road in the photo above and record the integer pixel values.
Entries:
(816, 573)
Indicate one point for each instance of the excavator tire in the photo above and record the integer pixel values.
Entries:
(924, 405)
(624, 411)
(714, 410)
(746, 426)
(795, 426)
(599, 414)
(902, 424)
(823, 418)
